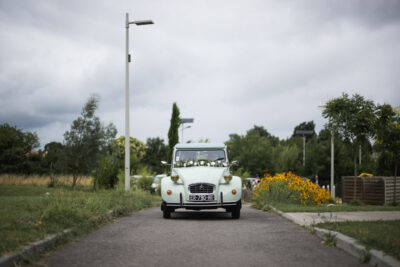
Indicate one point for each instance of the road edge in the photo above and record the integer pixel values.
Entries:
(36, 248)
(346, 243)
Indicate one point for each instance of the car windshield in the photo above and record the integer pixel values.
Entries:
(198, 155)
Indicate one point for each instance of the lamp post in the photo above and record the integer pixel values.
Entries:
(304, 133)
(183, 121)
(332, 154)
(127, 60)
(183, 128)
(332, 163)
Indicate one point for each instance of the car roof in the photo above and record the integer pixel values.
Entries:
(199, 145)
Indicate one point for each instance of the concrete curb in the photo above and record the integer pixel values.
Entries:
(348, 244)
(36, 248)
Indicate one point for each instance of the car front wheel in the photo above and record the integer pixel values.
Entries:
(236, 211)
(166, 211)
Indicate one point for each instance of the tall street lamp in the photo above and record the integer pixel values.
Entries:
(332, 154)
(304, 133)
(127, 60)
(183, 121)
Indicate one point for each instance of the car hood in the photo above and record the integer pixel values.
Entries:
(200, 174)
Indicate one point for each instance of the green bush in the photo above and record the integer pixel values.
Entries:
(107, 173)
(61, 215)
(145, 182)
(356, 202)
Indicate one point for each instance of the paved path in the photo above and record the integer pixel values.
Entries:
(200, 238)
(309, 218)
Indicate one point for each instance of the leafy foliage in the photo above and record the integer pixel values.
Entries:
(253, 151)
(388, 133)
(137, 151)
(310, 126)
(107, 172)
(173, 136)
(155, 152)
(86, 141)
(15, 149)
(353, 119)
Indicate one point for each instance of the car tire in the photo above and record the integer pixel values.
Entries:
(166, 212)
(236, 210)
(236, 213)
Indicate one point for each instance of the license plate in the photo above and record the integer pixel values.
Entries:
(201, 197)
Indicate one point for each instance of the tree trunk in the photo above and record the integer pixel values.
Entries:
(94, 182)
(52, 180)
(74, 179)
(355, 163)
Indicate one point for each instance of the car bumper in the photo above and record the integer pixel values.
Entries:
(202, 205)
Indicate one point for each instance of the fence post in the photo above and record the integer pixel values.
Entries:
(384, 191)
(362, 189)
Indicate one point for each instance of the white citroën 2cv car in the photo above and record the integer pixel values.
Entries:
(200, 179)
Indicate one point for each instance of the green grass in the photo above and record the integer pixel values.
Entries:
(291, 207)
(28, 214)
(380, 235)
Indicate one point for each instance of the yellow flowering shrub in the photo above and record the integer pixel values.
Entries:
(289, 187)
(366, 175)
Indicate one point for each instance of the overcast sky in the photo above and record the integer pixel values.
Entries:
(228, 64)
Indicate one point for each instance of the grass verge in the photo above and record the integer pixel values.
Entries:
(30, 213)
(380, 235)
(291, 207)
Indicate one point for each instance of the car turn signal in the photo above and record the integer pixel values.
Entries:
(234, 191)
(169, 192)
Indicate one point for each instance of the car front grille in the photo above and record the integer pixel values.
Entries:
(201, 188)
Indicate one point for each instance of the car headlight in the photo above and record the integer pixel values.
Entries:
(227, 177)
(174, 176)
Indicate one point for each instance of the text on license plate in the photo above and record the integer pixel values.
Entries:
(202, 197)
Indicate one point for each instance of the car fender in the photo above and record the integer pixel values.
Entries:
(226, 189)
(176, 190)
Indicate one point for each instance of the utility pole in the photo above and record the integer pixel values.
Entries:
(304, 133)
(332, 164)
(127, 60)
(183, 121)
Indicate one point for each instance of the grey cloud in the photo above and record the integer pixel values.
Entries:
(228, 64)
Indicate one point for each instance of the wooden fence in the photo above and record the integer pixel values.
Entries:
(371, 190)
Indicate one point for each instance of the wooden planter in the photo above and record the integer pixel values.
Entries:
(375, 190)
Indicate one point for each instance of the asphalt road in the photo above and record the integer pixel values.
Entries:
(200, 238)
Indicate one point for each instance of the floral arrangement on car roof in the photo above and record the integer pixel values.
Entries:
(195, 163)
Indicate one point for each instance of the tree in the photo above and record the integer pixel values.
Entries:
(261, 131)
(156, 151)
(306, 125)
(52, 156)
(15, 149)
(173, 136)
(85, 141)
(352, 118)
(253, 151)
(387, 125)
(137, 152)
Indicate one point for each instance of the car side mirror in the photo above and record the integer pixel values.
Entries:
(234, 163)
(164, 163)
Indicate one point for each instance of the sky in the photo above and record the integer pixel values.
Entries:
(230, 65)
